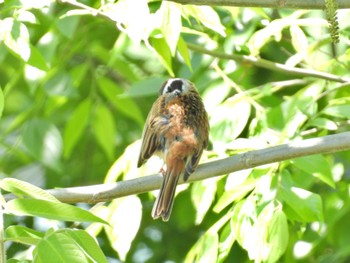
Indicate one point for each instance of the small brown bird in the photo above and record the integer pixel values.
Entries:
(176, 130)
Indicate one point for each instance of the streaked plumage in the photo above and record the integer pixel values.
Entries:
(176, 130)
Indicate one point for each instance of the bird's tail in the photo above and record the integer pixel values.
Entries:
(165, 200)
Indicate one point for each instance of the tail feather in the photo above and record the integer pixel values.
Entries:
(165, 200)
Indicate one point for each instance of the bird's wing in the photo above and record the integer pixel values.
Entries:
(151, 136)
(192, 163)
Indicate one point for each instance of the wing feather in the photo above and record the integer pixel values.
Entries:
(151, 137)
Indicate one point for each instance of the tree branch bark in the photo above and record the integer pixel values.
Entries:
(294, 4)
(259, 62)
(250, 159)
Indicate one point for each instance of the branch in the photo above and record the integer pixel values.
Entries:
(295, 4)
(259, 62)
(107, 192)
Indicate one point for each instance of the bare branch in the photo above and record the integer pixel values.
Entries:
(294, 4)
(107, 192)
(259, 62)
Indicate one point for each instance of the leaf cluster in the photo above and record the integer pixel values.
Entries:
(77, 80)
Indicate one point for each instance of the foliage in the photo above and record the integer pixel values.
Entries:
(331, 11)
(77, 81)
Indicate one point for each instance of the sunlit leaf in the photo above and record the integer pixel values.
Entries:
(24, 235)
(104, 129)
(205, 250)
(234, 194)
(125, 217)
(50, 210)
(203, 194)
(16, 37)
(226, 240)
(170, 16)
(128, 18)
(341, 111)
(323, 123)
(207, 16)
(122, 102)
(68, 25)
(75, 126)
(164, 54)
(183, 50)
(22, 188)
(261, 37)
(306, 205)
(68, 245)
(317, 165)
(36, 59)
(278, 235)
(244, 214)
(299, 40)
(225, 122)
(271, 235)
(26, 16)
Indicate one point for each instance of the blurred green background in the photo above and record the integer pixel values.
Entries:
(77, 82)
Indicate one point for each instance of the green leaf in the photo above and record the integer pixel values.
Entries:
(13, 260)
(271, 235)
(60, 84)
(16, 37)
(261, 37)
(36, 59)
(323, 123)
(128, 18)
(341, 111)
(226, 240)
(235, 194)
(293, 112)
(209, 248)
(67, 25)
(170, 15)
(50, 210)
(147, 87)
(299, 40)
(2, 102)
(316, 165)
(24, 235)
(205, 250)
(43, 141)
(125, 217)
(207, 16)
(21, 188)
(224, 128)
(183, 50)
(68, 245)
(122, 102)
(278, 235)
(305, 205)
(163, 52)
(244, 214)
(203, 194)
(76, 126)
(104, 129)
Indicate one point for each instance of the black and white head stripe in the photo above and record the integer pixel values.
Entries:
(177, 84)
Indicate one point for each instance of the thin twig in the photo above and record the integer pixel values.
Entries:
(91, 10)
(259, 62)
(295, 4)
(250, 159)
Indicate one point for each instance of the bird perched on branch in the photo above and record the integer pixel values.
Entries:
(176, 130)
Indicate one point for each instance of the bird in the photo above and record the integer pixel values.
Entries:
(177, 131)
